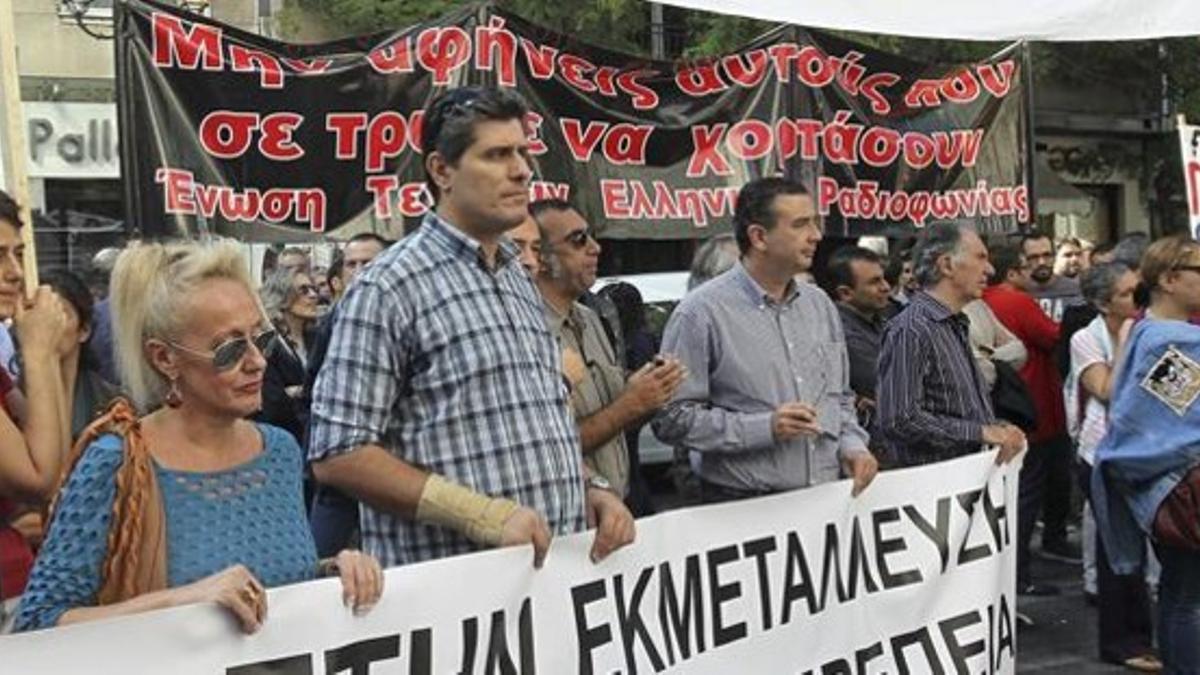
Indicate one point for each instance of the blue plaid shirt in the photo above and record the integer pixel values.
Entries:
(450, 367)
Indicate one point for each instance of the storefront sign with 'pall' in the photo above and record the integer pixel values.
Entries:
(72, 140)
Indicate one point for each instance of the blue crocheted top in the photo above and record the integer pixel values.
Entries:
(251, 514)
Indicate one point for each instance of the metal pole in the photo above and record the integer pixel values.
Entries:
(12, 136)
(1030, 135)
(658, 43)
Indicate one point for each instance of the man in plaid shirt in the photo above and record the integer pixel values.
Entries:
(441, 404)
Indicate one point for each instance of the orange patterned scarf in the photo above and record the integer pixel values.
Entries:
(136, 562)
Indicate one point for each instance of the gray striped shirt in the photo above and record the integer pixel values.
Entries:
(450, 367)
(933, 401)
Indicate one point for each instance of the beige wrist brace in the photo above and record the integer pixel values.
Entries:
(478, 517)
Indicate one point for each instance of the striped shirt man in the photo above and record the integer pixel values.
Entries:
(933, 401)
(448, 364)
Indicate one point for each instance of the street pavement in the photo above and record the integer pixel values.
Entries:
(1065, 634)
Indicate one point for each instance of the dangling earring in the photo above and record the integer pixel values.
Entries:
(173, 398)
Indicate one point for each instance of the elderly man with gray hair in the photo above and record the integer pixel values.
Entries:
(933, 401)
(714, 257)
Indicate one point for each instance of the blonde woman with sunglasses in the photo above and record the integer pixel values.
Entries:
(190, 503)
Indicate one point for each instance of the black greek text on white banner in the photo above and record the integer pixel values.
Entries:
(915, 575)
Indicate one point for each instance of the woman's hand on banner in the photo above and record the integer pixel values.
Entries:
(362, 580)
(235, 589)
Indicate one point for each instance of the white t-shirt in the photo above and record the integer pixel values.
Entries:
(1087, 351)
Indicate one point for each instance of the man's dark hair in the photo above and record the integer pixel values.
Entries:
(1005, 257)
(9, 211)
(369, 236)
(840, 268)
(70, 287)
(631, 310)
(536, 209)
(755, 205)
(895, 266)
(1036, 235)
(1105, 248)
(336, 264)
(543, 206)
(449, 124)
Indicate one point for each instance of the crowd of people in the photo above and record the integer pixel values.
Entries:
(196, 437)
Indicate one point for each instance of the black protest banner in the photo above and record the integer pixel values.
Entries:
(228, 132)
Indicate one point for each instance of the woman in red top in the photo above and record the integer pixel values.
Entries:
(32, 449)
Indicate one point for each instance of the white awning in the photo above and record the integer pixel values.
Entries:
(1060, 20)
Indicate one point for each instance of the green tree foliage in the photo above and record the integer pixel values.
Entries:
(617, 24)
(1145, 78)
(1135, 69)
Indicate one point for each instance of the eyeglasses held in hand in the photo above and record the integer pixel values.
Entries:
(230, 353)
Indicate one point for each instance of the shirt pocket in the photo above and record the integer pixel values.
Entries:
(829, 375)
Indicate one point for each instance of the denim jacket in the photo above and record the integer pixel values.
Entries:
(1153, 437)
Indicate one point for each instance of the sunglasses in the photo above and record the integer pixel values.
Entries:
(579, 239)
(230, 353)
(454, 103)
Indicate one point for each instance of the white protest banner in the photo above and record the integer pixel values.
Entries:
(1064, 20)
(1189, 145)
(915, 575)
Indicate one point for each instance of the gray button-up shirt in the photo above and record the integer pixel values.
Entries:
(746, 355)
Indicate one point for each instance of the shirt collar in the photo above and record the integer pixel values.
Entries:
(462, 245)
(932, 306)
(874, 320)
(755, 292)
(558, 319)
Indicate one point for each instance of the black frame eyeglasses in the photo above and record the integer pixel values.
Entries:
(230, 353)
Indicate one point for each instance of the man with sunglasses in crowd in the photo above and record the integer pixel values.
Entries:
(605, 403)
(441, 404)
(767, 401)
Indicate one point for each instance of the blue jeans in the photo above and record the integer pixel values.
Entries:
(1179, 610)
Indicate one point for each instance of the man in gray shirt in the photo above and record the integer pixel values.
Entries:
(767, 402)
(1053, 293)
